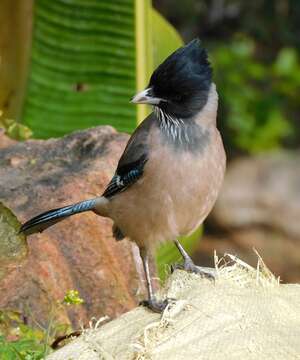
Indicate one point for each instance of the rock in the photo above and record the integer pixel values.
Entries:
(259, 206)
(13, 247)
(262, 191)
(5, 141)
(78, 253)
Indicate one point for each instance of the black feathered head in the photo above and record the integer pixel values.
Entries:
(180, 85)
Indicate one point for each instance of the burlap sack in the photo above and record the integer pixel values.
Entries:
(245, 314)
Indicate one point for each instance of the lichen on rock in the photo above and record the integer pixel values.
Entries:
(13, 246)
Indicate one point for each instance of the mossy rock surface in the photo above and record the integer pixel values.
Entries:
(13, 246)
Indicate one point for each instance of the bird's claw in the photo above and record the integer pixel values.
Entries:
(189, 266)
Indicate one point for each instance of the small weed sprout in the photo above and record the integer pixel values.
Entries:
(72, 298)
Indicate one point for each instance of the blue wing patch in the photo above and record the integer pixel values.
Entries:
(121, 181)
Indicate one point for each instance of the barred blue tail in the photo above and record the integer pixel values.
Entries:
(49, 218)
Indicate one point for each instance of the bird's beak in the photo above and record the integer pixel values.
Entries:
(146, 97)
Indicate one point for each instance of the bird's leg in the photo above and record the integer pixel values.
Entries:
(189, 265)
(152, 303)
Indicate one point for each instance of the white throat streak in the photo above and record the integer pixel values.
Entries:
(182, 135)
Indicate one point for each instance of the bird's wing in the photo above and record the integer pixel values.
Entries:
(122, 180)
(131, 164)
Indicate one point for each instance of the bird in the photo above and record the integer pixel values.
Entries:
(172, 168)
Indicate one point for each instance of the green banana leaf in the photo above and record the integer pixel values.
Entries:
(82, 66)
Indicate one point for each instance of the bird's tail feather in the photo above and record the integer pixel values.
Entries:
(51, 217)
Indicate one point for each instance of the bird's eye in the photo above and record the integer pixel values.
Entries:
(177, 97)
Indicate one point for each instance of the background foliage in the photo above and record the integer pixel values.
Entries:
(257, 99)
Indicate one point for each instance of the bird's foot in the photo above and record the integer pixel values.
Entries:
(155, 305)
(189, 266)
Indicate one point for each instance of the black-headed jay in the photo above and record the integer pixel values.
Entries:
(170, 173)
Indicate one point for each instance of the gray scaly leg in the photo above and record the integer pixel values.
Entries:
(189, 265)
(152, 303)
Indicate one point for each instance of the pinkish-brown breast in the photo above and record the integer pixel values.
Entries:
(175, 194)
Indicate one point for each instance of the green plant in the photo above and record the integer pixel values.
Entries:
(21, 349)
(82, 70)
(14, 129)
(256, 97)
(72, 298)
(20, 341)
